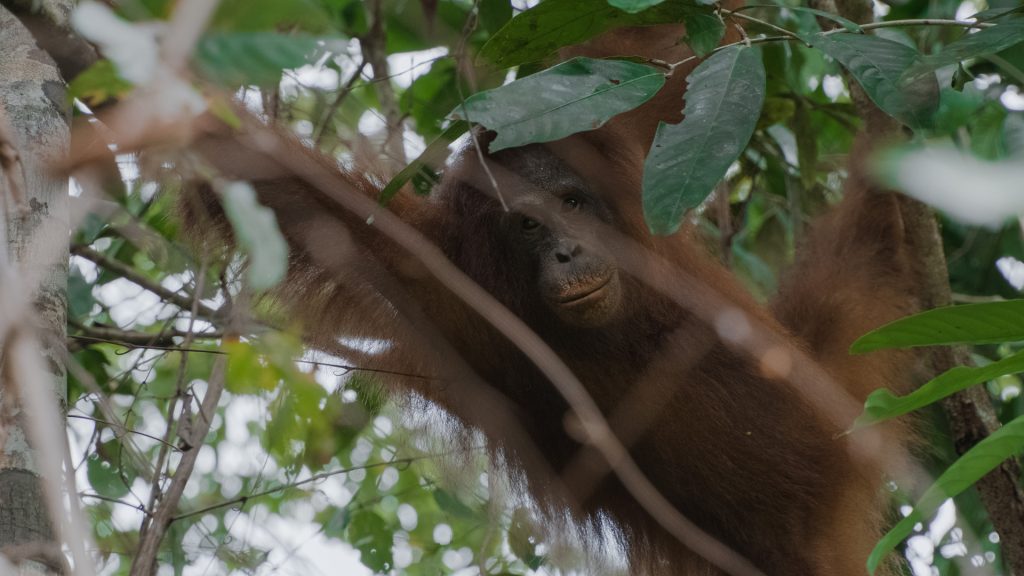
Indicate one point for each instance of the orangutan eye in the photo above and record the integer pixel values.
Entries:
(571, 202)
(529, 223)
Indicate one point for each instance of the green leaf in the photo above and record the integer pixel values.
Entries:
(80, 300)
(103, 477)
(634, 6)
(98, 83)
(452, 506)
(581, 94)
(961, 475)
(258, 235)
(984, 323)
(433, 95)
(704, 30)
(369, 533)
(849, 25)
(987, 41)
(540, 31)
(432, 156)
(883, 405)
(996, 13)
(242, 58)
(494, 14)
(268, 15)
(523, 538)
(687, 159)
(879, 65)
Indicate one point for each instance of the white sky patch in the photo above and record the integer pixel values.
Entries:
(968, 189)
(967, 9)
(1012, 98)
(135, 51)
(880, 9)
(983, 81)
(371, 123)
(1012, 270)
(834, 87)
(406, 67)
(131, 47)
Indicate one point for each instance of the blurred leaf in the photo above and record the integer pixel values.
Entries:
(432, 96)
(634, 6)
(986, 41)
(776, 111)
(245, 58)
(883, 405)
(224, 111)
(494, 14)
(104, 478)
(940, 175)
(247, 372)
(453, 506)
(581, 94)
(523, 539)
(99, 83)
(849, 25)
(879, 66)
(987, 138)
(704, 30)
(80, 300)
(369, 533)
(257, 233)
(961, 475)
(269, 15)
(687, 159)
(996, 13)
(543, 29)
(806, 133)
(984, 323)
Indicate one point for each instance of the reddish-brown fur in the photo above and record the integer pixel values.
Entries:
(732, 444)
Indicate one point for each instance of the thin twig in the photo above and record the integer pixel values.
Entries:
(242, 500)
(791, 36)
(321, 130)
(123, 428)
(136, 339)
(129, 273)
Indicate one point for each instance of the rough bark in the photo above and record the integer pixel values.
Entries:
(32, 101)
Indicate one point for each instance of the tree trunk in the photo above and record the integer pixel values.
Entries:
(33, 133)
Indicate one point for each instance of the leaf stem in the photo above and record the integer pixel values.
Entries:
(760, 22)
(790, 36)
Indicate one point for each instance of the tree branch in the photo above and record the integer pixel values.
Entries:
(375, 53)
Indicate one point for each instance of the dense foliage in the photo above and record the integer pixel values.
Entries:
(306, 460)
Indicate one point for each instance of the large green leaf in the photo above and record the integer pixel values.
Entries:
(987, 41)
(239, 58)
(581, 94)
(539, 31)
(879, 66)
(984, 323)
(883, 404)
(977, 462)
(687, 159)
(704, 30)
(494, 14)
